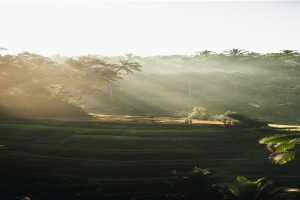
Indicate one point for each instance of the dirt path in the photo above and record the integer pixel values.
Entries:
(146, 120)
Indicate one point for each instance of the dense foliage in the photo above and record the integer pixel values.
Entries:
(261, 86)
(281, 147)
(38, 76)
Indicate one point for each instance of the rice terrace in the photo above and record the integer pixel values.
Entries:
(142, 100)
(115, 157)
(175, 135)
(88, 131)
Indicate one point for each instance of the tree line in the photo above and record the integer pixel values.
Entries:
(35, 75)
(264, 86)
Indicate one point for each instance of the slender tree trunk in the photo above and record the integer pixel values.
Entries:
(60, 90)
(189, 89)
(121, 87)
(147, 95)
(111, 94)
(147, 86)
(81, 96)
(73, 89)
(237, 96)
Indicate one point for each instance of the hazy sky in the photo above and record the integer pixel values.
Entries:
(148, 28)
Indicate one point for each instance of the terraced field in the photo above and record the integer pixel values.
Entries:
(113, 159)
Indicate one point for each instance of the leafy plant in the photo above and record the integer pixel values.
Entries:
(194, 184)
(244, 189)
(280, 145)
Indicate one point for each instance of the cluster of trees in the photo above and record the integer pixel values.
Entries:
(68, 80)
(262, 86)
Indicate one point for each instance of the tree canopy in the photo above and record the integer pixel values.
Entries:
(261, 86)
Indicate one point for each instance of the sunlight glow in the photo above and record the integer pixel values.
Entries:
(147, 28)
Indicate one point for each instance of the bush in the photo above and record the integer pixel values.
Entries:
(199, 113)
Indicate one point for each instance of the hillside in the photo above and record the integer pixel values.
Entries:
(30, 107)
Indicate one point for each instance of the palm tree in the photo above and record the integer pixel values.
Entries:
(280, 145)
(254, 54)
(2, 49)
(129, 56)
(244, 189)
(91, 72)
(235, 52)
(94, 72)
(127, 67)
(289, 52)
(204, 53)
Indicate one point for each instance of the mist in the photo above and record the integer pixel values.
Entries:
(263, 86)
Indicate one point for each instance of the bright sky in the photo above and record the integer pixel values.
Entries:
(110, 28)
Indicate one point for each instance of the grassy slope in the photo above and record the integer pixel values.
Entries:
(40, 151)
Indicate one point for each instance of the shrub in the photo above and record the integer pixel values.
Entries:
(199, 113)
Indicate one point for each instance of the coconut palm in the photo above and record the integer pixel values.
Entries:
(280, 146)
(235, 52)
(129, 56)
(90, 73)
(289, 52)
(128, 67)
(244, 189)
(204, 53)
(2, 49)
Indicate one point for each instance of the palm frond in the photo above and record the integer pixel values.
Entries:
(242, 188)
(283, 193)
(262, 189)
(283, 157)
(282, 147)
(272, 147)
(280, 138)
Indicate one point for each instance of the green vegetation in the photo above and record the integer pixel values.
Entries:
(199, 113)
(261, 86)
(60, 159)
(52, 149)
(279, 146)
(244, 189)
(196, 184)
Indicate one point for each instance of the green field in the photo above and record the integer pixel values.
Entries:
(92, 160)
